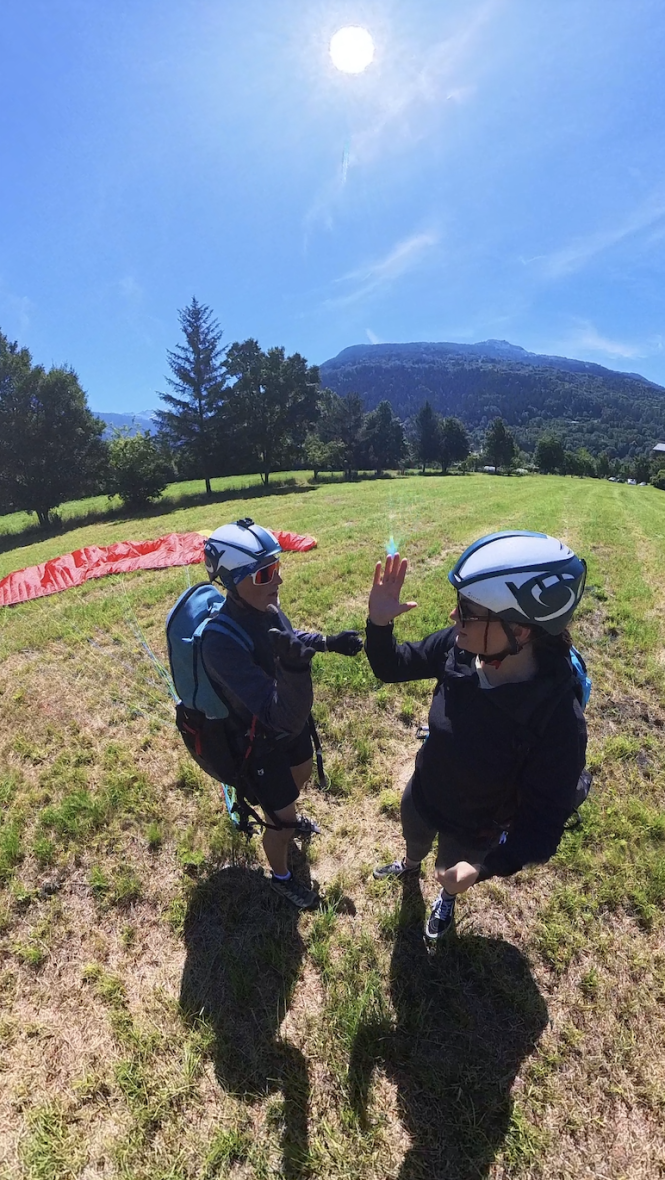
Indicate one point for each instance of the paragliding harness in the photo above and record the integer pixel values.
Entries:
(207, 723)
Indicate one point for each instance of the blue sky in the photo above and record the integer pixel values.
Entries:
(497, 172)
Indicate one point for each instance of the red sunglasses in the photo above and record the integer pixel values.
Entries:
(265, 575)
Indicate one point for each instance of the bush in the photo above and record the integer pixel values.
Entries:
(139, 469)
(658, 480)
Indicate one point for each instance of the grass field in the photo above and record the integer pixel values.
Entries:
(164, 1015)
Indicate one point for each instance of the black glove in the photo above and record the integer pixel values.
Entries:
(292, 653)
(345, 643)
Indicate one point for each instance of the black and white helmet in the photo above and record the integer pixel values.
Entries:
(522, 577)
(236, 550)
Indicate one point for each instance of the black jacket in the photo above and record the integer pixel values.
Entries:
(487, 764)
(255, 683)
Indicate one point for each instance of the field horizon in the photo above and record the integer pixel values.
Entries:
(165, 1017)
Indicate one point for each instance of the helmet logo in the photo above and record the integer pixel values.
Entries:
(547, 596)
(212, 555)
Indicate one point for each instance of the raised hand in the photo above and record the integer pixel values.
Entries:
(384, 603)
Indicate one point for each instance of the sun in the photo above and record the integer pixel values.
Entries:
(352, 49)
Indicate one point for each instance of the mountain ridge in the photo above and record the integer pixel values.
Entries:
(492, 349)
(585, 403)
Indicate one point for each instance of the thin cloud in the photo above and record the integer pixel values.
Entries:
(130, 289)
(575, 256)
(372, 336)
(403, 106)
(18, 309)
(406, 103)
(587, 338)
(405, 256)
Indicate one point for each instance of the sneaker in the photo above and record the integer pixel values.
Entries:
(306, 826)
(299, 895)
(398, 868)
(441, 919)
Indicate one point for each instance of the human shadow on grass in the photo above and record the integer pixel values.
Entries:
(465, 1022)
(121, 514)
(244, 951)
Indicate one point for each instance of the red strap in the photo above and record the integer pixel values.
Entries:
(252, 735)
(196, 734)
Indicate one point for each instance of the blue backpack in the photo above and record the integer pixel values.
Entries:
(582, 678)
(199, 608)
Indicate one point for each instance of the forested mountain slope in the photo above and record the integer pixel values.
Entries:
(587, 404)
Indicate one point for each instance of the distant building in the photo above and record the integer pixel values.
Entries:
(659, 449)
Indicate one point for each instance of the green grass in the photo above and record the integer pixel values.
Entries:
(165, 1016)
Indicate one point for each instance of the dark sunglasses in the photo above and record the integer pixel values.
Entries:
(265, 574)
(465, 613)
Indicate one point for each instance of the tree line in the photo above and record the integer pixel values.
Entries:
(231, 411)
(588, 406)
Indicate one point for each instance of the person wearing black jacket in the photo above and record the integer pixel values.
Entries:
(497, 775)
(268, 688)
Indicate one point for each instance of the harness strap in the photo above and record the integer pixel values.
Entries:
(322, 781)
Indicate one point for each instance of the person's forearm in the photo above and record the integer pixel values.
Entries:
(312, 639)
(393, 662)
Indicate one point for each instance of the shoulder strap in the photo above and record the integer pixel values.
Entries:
(225, 627)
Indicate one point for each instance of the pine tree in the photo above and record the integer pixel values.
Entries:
(453, 442)
(499, 444)
(191, 423)
(351, 415)
(550, 455)
(426, 436)
(382, 439)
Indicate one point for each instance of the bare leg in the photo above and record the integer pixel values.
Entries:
(276, 844)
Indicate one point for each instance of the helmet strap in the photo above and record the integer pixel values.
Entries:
(513, 648)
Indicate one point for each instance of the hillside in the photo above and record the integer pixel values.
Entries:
(587, 404)
(134, 422)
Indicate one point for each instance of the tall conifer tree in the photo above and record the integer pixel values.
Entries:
(190, 423)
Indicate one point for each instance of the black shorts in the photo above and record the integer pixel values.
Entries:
(272, 783)
(269, 781)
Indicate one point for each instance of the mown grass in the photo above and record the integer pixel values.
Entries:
(164, 1015)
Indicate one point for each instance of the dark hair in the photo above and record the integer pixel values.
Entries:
(547, 647)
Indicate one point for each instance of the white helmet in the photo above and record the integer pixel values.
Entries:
(236, 550)
(522, 577)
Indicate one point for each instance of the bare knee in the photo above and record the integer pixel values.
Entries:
(302, 773)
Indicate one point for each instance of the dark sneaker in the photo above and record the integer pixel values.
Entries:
(306, 826)
(441, 919)
(299, 895)
(397, 869)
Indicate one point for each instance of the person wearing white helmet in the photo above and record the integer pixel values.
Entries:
(267, 686)
(497, 775)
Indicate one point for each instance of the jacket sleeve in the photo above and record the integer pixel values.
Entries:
(312, 639)
(546, 795)
(281, 702)
(396, 663)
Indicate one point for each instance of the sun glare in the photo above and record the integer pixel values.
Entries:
(352, 49)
